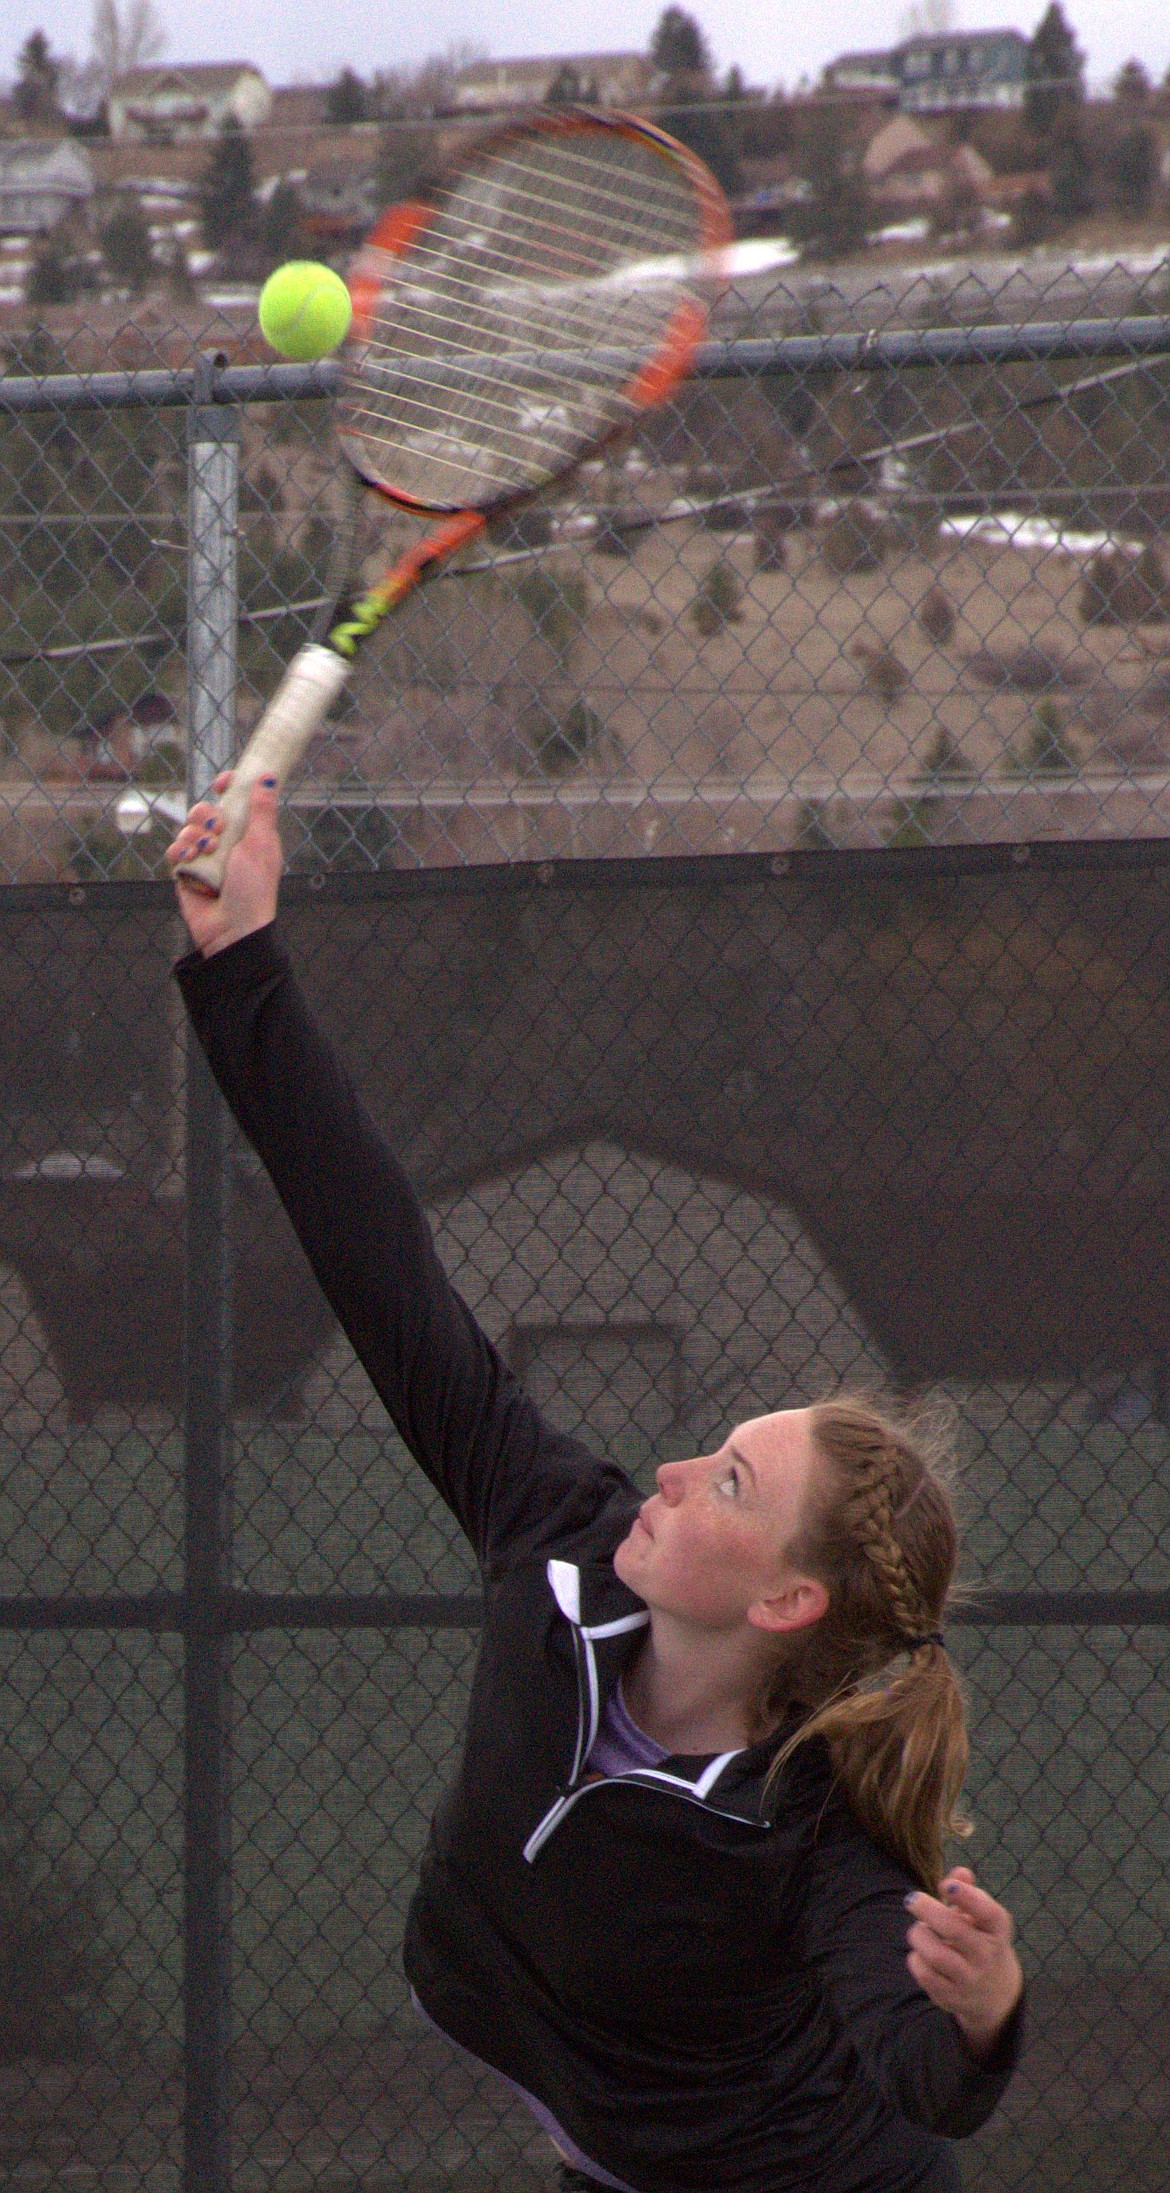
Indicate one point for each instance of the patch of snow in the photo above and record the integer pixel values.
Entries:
(1013, 529)
(901, 232)
(757, 255)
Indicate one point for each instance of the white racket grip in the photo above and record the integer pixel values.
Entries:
(309, 687)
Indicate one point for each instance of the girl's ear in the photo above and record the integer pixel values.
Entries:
(801, 1602)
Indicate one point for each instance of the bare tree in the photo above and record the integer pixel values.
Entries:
(124, 38)
(427, 89)
(929, 19)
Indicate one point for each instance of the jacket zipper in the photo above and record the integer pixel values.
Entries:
(588, 1718)
(669, 1785)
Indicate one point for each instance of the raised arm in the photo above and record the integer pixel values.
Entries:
(511, 1480)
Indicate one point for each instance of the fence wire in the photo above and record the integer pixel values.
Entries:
(900, 588)
(848, 1088)
(699, 1140)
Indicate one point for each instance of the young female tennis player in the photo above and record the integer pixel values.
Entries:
(687, 1892)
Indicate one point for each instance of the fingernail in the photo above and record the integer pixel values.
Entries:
(203, 845)
(270, 782)
(911, 1899)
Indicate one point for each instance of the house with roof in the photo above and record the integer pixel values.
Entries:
(938, 72)
(339, 200)
(871, 74)
(597, 79)
(908, 170)
(41, 180)
(163, 105)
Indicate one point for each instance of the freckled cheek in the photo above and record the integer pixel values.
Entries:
(706, 1546)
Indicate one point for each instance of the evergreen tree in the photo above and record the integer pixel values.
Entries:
(227, 202)
(283, 233)
(680, 51)
(180, 280)
(1071, 178)
(1133, 170)
(53, 277)
(347, 100)
(1132, 86)
(1054, 72)
(126, 247)
(679, 46)
(837, 215)
(38, 74)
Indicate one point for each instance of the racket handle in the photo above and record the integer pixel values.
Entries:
(309, 687)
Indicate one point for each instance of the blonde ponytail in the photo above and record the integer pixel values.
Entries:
(882, 1537)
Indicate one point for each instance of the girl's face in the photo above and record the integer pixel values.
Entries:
(710, 1546)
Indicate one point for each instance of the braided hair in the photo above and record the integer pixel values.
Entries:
(873, 1677)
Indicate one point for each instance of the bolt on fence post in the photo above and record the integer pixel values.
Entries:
(213, 465)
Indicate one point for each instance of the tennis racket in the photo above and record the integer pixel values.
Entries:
(556, 287)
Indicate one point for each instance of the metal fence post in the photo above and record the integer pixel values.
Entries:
(212, 611)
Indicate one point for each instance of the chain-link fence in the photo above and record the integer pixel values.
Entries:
(903, 586)
(845, 1090)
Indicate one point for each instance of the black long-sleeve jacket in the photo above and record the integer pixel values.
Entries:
(706, 1985)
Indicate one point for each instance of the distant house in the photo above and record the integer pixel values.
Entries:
(41, 180)
(897, 158)
(161, 105)
(960, 68)
(935, 73)
(909, 171)
(862, 72)
(597, 79)
(297, 106)
(338, 201)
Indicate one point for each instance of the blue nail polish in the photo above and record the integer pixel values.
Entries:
(270, 782)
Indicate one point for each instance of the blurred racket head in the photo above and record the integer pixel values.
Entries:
(557, 286)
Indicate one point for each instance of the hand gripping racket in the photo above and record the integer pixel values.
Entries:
(553, 291)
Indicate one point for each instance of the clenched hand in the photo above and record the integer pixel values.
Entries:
(961, 1954)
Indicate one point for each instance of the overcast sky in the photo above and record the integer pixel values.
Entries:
(771, 40)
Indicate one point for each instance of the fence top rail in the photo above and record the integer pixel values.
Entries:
(1137, 335)
(804, 867)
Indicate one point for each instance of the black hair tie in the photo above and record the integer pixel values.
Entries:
(931, 1637)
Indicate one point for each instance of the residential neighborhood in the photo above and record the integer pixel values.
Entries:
(944, 136)
(955, 176)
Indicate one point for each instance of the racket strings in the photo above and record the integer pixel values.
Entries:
(582, 256)
(511, 306)
(531, 408)
(504, 343)
(655, 188)
(516, 320)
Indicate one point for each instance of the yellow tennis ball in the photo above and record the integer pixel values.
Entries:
(304, 310)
